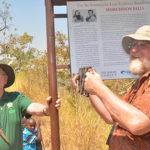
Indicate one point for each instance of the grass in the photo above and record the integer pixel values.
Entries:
(81, 128)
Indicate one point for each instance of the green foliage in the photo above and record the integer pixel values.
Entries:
(13, 49)
(17, 52)
(25, 39)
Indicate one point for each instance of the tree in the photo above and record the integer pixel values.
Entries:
(17, 52)
(62, 49)
(62, 57)
(4, 16)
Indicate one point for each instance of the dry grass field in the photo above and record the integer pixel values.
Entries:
(80, 126)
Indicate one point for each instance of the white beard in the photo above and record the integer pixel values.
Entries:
(138, 67)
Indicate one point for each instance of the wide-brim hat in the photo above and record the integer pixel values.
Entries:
(10, 73)
(143, 33)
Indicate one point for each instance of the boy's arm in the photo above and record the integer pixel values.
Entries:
(39, 135)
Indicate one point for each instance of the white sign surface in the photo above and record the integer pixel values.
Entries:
(96, 29)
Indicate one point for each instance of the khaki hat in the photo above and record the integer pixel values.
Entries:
(10, 73)
(143, 33)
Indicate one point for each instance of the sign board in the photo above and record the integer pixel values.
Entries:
(96, 29)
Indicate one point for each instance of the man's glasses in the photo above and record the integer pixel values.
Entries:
(140, 45)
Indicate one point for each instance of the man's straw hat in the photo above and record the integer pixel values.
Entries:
(143, 33)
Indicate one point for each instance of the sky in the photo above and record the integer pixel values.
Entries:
(29, 16)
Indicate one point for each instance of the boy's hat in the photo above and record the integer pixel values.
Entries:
(10, 73)
(143, 33)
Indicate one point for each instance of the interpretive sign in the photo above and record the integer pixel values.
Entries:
(96, 29)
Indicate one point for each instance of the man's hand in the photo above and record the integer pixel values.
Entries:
(40, 109)
(92, 80)
(46, 110)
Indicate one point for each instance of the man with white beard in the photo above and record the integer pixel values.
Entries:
(131, 114)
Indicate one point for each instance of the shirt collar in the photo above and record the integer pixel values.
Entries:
(4, 95)
(146, 75)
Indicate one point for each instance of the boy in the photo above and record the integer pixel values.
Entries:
(30, 137)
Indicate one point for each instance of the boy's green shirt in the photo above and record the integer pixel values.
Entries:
(13, 107)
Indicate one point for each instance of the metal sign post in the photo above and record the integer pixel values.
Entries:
(55, 139)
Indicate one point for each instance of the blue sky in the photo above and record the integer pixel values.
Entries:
(29, 16)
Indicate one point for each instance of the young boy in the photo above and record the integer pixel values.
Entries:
(30, 135)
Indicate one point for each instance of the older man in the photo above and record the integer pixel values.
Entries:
(131, 114)
(13, 106)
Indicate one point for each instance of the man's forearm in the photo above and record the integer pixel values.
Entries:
(100, 108)
(125, 114)
(37, 109)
